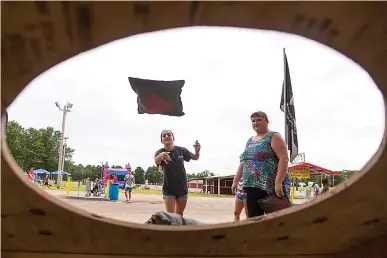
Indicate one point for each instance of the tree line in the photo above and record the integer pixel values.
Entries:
(39, 148)
(344, 175)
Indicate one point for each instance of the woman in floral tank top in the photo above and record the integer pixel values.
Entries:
(264, 165)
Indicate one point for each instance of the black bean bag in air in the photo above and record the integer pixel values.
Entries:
(158, 97)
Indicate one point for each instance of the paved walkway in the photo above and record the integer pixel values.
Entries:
(205, 209)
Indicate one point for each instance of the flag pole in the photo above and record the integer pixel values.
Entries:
(284, 91)
(285, 113)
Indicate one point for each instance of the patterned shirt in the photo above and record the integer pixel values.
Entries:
(129, 180)
(260, 165)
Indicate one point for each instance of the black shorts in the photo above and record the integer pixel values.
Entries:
(253, 195)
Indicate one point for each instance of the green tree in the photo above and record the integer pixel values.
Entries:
(80, 172)
(344, 175)
(35, 147)
(51, 142)
(205, 173)
(75, 171)
(16, 141)
(154, 175)
(139, 175)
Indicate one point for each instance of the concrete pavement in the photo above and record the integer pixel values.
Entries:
(205, 209)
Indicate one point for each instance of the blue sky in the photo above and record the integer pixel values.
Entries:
(229, 74)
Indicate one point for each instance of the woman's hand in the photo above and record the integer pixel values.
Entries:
(278, 189)
(234, 188)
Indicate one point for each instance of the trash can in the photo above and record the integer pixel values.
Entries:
(114, 190)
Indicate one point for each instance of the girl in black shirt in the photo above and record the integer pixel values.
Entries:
(171, 159)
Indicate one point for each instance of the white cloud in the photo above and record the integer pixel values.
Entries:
(229, 74)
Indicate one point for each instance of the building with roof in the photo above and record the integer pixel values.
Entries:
(221, 185)
(213, 184)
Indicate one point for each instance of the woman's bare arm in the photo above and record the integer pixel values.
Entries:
(158, 159)
(238, 174)
(279, 146)
(237, 177)
(195, 156)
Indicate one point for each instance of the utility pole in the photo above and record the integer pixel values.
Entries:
(64, 153)
(103, 169)
(66, 108)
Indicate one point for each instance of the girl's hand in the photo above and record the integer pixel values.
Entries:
(197, 146)
(164, 156)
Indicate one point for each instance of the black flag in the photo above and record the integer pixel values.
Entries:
(158, 97)
(290, 120)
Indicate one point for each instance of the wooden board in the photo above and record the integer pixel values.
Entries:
(39, 35)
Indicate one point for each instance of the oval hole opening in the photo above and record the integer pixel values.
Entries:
(229, 73)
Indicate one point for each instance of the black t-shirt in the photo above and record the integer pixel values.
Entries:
(175, 178)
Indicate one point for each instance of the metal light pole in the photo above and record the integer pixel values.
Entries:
(66, 108)
(64, 152)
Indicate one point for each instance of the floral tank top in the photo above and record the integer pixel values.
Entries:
(260, 164)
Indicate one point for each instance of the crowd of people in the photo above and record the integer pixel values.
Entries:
(129, 183)
(325, 183)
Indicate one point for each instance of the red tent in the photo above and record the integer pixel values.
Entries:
(31, 174)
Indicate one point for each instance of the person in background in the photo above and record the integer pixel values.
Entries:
(171, 159)
(326, 183)
(308, 192)
(107, 178)
(31, 174)
(240, 202)
(316, 190)
(45, 181)
(115, 179)
(263, 166)
(129, 183)
(96, 185)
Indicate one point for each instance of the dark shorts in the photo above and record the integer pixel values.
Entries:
(253, 195)
(128, 189)
(175, 197)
